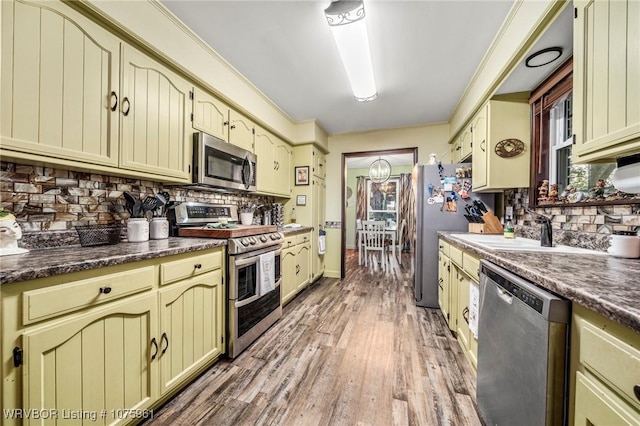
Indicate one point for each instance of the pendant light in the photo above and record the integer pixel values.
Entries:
(379, 171)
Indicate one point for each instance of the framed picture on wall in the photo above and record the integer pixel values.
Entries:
(302, 175)
(301, 200)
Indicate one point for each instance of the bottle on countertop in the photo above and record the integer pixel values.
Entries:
(509, 231)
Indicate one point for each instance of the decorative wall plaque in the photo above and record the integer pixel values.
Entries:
(509, 148)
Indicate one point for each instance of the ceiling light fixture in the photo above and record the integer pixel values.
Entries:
(348, 25)
(379, 171)
(543, 57)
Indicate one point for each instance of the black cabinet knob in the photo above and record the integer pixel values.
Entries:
(636, 391)
(197, 266)
(105, 290)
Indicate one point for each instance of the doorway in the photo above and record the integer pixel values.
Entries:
(357, 163)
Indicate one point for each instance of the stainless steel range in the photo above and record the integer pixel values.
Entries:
(252, 265)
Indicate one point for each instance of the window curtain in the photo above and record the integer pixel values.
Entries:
(361, 200)
(406, 210)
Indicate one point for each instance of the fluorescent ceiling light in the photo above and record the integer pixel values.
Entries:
(348, 25)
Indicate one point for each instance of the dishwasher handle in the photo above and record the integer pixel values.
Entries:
(504, 295)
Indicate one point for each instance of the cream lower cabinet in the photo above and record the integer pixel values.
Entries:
(605, 371)
(192, 327)
(296, 265)
(494, 165)
(111, 340)
(100, 362)
(274, 164)
(60, 81)
(318, 200)
(606, 79)
(444, 282)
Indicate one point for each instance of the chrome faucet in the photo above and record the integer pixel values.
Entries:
(546, 232)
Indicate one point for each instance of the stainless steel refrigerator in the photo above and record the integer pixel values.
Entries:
(452, 182)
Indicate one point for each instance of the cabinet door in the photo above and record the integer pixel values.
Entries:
(283, 153)
(210, 115)
(191, 316)
(97, 361)
(466, 143)
(265, 148)
(59, 70)
(443, 286)
(319, 164)
(462, 322)
(480, 144)
(318, 200)
(155, 110)
(289, 278)
(606, 78)
(303, 260)
(595, 405)
(241, 131)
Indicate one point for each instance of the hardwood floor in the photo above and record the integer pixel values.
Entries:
(346, 352)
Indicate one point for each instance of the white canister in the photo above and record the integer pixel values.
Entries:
(137, 230)
(159, 228)
(246, 218)
(624, 244)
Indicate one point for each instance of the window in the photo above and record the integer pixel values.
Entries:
(383, 200)
(552, 114)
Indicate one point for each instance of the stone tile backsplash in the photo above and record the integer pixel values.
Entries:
(51, 199)
(581, 226)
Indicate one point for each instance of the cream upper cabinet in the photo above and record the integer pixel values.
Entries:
(210, 115)
(241, 131)
(319, 164)
(466, 143)
(606, 79)
(102, 360)
(60, 85)
(274, 163)
(495, 167)
(155, 111)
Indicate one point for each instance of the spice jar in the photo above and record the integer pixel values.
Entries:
(624, 244)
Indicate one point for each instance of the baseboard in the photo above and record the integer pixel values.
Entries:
(331, 274)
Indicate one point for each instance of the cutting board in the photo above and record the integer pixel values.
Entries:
(240, 231)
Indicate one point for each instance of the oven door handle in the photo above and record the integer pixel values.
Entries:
(253, 298)
(247, 261)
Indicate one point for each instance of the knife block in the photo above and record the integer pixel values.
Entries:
(491, 225)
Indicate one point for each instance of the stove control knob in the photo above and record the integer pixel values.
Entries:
(274, 236)
(252, 240)
(245, 241)
(263, 238)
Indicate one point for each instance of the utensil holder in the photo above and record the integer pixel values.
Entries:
(137, 230)
(491, 225)
(246, 218)
(159, 228)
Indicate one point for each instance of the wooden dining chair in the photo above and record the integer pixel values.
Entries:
(374, 240)
(399, 242)
(360, 240)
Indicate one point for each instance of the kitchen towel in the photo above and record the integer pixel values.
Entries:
(474, 302)
(267, 273)
(322, 237)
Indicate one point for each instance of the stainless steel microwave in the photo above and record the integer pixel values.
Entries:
(219, 164)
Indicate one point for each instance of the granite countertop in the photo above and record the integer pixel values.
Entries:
(604, 284)
(63, 260)
(290, 231)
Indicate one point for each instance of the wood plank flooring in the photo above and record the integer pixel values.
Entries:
(346, 352)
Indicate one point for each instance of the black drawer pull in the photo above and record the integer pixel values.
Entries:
(114, 106)
(465, 315)
(197, 265)
(105, 290)
(636, 391)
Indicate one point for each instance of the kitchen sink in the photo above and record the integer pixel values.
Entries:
(498, 242)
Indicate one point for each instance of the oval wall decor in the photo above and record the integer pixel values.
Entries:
(509, 148)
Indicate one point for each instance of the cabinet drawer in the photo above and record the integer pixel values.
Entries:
(443, 246)
(51, 301)
(190, 267)
(611, 359)
(303, 238)
(471, 266)
(290, 241)
(455, 254)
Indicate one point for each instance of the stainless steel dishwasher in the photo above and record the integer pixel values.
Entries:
(522, 351)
